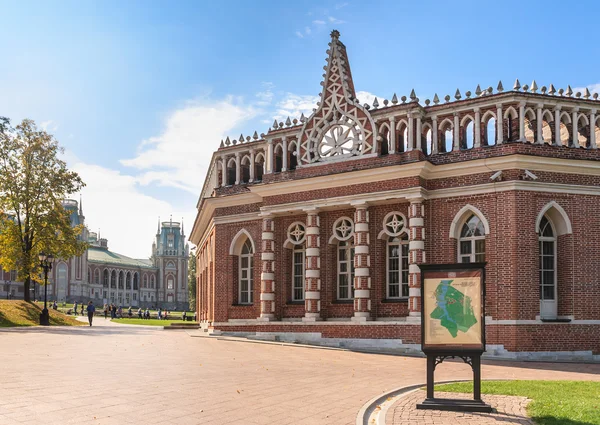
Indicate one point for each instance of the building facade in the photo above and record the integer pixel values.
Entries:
(104, 276)
(315, 230)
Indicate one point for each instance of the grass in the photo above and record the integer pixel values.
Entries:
(20, 313)
(150, 322)
(553, 402)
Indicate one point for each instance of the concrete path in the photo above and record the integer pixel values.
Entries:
(117, 374)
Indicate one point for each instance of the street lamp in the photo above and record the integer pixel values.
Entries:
(8, 289)
(46, 264)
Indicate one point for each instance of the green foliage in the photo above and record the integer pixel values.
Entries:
(553, 402)
(20, 313)
(192, 281)
(33, 184)
(149, 322)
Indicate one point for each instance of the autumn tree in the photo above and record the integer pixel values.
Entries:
(33, 184)
(192, 281)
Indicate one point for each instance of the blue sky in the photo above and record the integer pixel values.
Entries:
(141, 93)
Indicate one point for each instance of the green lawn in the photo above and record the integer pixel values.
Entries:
(20, 313)
(149, 322)
(553, 402)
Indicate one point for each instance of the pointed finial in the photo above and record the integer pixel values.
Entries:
(457, 95)
(436, 99)
(157, 228)
(569, 91)
(80, 205)
(255, 135)
(586, 93)
(551, 90)
(221, 145)
(500, 87)
(275, 125)
(517, 85)
(375, 103)
(478, 90)
(413, 96)
(335, 35)
(394, 99)
(302, 118)
(534, 86)
(227, 142)
(288, 122)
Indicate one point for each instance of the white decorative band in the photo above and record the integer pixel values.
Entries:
(268, 236)
(267, 276)
(361, 271)
(413, 268)
(362, 293)
(416, 245)
(361, 227)
(312, 230)
(361, 249)
(267, 256)
(311, 315)
(313, 273)
(416, 222)
(312, 295)
(313, 252)
(267, 296)
(414, 292)
(362, 314)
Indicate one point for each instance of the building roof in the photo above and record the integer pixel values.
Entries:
(102, 255)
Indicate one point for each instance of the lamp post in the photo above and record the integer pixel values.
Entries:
(46, 264)
(8, 289)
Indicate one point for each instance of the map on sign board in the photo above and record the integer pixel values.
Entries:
(452, 304)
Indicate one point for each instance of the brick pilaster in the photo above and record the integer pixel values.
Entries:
(362, 262)
(267, 276)
(416, 254)
(312, 285)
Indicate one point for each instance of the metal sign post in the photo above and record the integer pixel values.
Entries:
(453, 325)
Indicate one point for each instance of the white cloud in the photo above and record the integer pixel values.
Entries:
(299, 34)
(341, 5)
(307, 30)
(319, 22)
(265, 97)
(49, 126)
(593, 88)
(334, 20)
(293, 105)
(366, 97)
(179, 157)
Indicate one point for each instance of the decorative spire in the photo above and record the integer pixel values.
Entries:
(551, 90)
(500, 87)
(227, 142)
(436, 99)
(157, 227)
(255, 135)
(80, 205)
(302, 118)
(457, 95)
(375, 103)
(478, 90)
(517, 85)
(182, 232)
(288, 122)
(569, 91)
(221, 145)
(394, 99)
(413, 95)
(586, 93)
(534, 86)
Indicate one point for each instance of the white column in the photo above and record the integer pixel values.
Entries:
(522, 121)
(477, 142)
(285, 153)
(557, 126)
(419, 131)
(251, 165)
(410, 132)
(434, 135)
(362, 262)
(575, 128)
(237, 168)
(223, 171)
(312, 281)
(499, 125)
(392, 140)
(269, 158)
(267, 276)
(593, 130)
(540, 136)
(456, 136)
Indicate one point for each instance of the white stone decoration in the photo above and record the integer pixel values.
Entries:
(296, 233)
(343, 228)
(394, 224)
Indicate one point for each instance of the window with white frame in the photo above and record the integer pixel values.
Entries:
(345, 271)
(397, 267)
(471, 244)
(245, 278)
(298, 255)
(547, 241)
(170, 282)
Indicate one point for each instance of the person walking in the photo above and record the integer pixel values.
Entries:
(75, 309)
(81, 309)
(140, 313)
(105, 311)
(159, 314)
(90, 311)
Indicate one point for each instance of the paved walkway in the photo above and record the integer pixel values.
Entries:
(509, 410)
(132, 375)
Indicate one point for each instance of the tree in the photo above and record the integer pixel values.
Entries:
(192, 281)
(33, 184)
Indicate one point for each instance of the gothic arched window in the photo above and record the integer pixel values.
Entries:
(547, 243)
(345, 271)
(471, 244)
(245, 273)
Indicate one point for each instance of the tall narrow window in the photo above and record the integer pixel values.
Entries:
(298, 273)
(245, 273)
(471, 245)
(105, 279)
(547, 241)
(345, 271)
(397, 267)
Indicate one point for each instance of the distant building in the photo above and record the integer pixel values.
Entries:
(108, 277)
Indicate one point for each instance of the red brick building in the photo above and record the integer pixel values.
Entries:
(315, 230)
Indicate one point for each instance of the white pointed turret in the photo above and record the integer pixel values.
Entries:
(517, 85)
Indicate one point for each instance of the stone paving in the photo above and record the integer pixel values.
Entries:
(509, 410)
(121, 374)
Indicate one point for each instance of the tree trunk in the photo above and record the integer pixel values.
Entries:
(27, 294)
